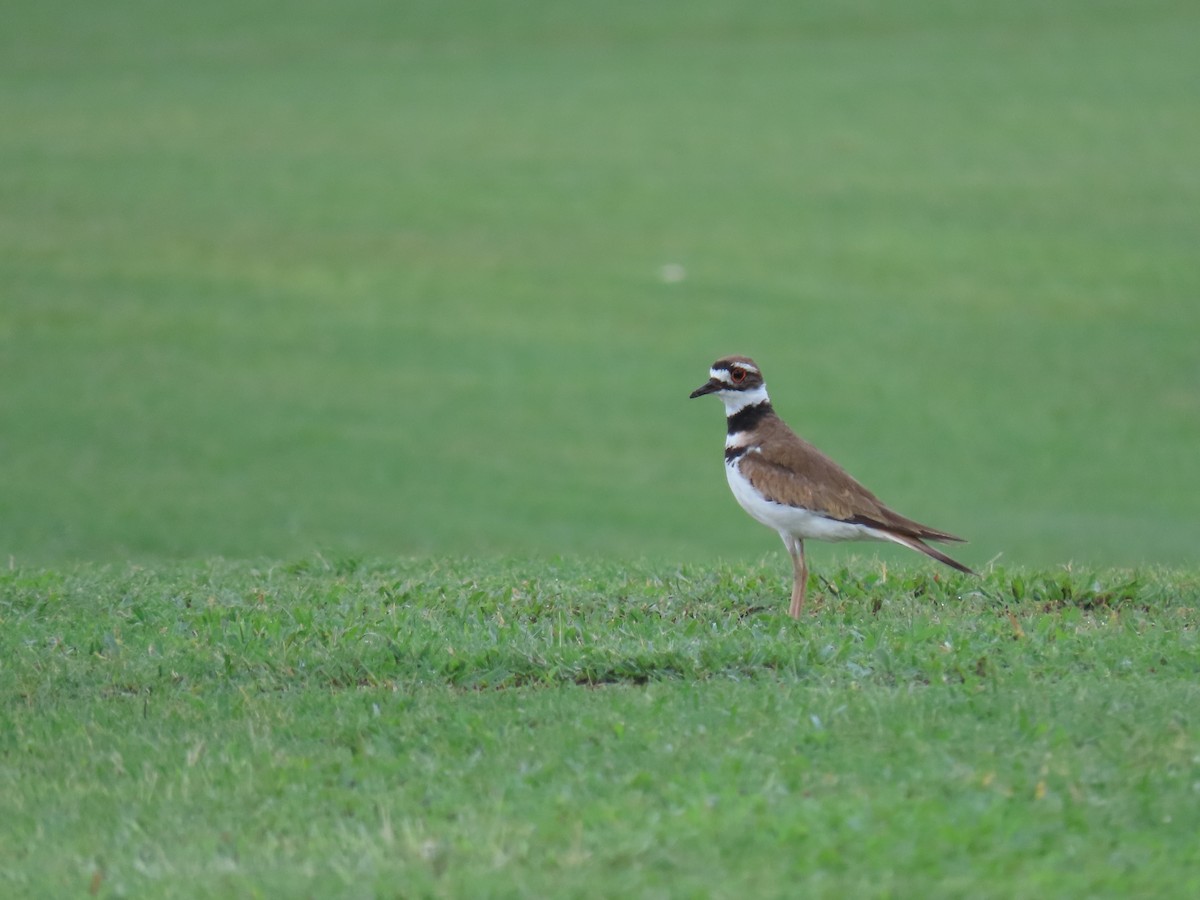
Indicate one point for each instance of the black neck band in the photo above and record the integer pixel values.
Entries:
(748, 417)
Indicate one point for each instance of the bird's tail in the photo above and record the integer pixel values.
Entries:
(921, 547)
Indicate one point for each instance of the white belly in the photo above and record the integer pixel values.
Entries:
(793, 520)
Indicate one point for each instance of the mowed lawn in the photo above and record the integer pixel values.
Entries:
(414, 294)
(389, 279)
(514, 728)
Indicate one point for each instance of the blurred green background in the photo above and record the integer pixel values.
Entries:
(388, 278)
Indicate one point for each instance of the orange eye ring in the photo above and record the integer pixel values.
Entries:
(738, 375)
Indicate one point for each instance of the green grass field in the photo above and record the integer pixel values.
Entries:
(507, 728)
(364, 280)
(380, 287)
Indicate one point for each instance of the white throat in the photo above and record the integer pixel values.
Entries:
(736, 401)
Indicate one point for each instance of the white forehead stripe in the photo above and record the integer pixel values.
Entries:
(749, 367)
(723, 375)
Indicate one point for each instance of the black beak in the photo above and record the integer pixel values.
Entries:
(709, 387)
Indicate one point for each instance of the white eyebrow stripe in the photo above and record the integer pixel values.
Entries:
(723, 375)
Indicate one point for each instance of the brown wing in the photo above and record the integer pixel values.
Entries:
(790, 470)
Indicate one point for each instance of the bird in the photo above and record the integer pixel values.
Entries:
(789, 485)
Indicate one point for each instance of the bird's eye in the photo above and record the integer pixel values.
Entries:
(738, 375)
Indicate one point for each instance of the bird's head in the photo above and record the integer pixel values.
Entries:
(737, 380)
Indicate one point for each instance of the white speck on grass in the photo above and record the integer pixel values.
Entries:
(672, 273)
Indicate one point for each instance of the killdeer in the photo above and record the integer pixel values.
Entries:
(788, 484)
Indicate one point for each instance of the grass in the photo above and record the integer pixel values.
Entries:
(387, 280)
(508, 727)
(381, 288)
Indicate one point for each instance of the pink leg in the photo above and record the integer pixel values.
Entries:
(795, 547)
